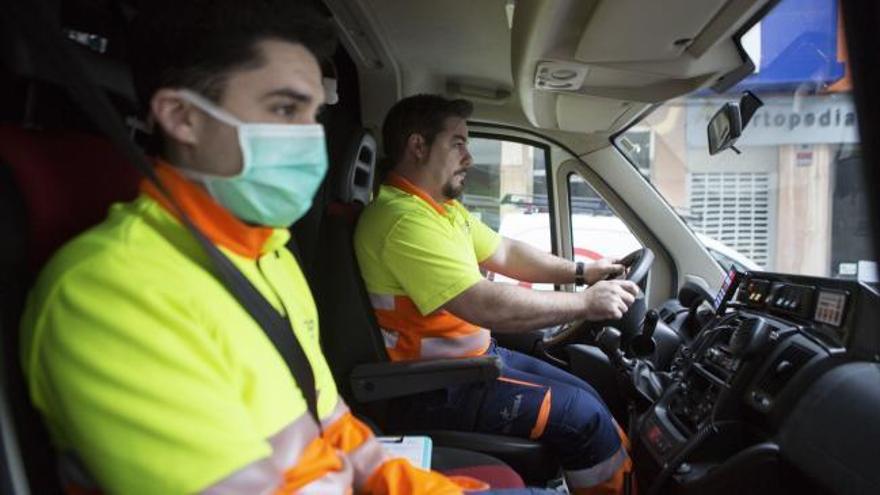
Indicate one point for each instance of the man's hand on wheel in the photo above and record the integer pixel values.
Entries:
(602, 269)
(609, 299)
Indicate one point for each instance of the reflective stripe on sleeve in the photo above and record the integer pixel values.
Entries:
(464, 345)
(338, 481)
(355, 439)
(366, 459)
(284, 466)
(390, 337)
(382, 301)
(289, 443)
(339, 410)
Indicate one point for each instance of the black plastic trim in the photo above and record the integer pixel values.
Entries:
(387, 380)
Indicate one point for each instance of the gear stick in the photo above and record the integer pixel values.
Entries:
(608, 341)
(643, 344)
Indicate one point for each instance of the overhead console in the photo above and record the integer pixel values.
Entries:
(569, 57)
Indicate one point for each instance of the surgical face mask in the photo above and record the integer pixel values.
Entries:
(282, 167)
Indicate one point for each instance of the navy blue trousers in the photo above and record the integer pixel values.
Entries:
(531, 399)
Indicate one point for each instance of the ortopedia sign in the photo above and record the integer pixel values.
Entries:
(784, 120)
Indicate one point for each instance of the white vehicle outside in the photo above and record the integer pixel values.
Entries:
(595, 237)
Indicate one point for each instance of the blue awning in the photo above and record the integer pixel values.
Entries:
(798, 45)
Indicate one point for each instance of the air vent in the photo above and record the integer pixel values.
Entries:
(792, 358)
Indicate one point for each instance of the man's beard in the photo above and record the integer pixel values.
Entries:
(451, 191)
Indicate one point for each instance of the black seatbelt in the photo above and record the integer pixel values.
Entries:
(33, 24)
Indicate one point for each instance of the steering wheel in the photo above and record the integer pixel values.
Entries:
(638, 264)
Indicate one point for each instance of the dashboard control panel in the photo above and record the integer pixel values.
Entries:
(749, 363)
(830, 307)
(783, 298)
(822, 310)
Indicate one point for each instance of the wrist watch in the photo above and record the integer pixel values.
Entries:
(579, 274)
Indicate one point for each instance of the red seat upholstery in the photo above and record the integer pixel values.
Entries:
(458, 462)
(67, 180)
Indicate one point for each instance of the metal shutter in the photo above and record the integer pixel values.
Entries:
(735, 208)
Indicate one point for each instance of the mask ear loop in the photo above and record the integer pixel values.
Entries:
(227, 118)
(210, 108)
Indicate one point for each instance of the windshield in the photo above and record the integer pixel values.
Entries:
(793, 201)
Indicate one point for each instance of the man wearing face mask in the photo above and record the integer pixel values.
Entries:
(148, 373)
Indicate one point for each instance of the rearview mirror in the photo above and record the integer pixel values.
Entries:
(727, 125)
(724, 128)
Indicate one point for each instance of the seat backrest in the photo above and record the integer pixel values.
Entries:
(66, 180)
(53, 185)
(349, 333)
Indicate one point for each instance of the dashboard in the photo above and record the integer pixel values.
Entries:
(822, 305)
(742, 376)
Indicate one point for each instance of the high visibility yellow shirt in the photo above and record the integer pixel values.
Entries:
(415, 255)
(152, 378)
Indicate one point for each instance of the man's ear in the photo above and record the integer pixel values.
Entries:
(178, 118)
(417, 146)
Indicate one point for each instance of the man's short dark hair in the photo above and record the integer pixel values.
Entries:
(420, 114)
(194, 44)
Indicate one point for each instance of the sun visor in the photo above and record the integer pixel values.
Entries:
(604, 113)
(655, 30)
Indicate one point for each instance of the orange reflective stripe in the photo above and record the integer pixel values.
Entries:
(399, 477)
(519, 382)
(332, 482)
(288, 446)
(398, 181)
(319, 461)
(407, 332)
(406, 317)
(543, 416)
(213, 220)
(339, 411)
(347, 433)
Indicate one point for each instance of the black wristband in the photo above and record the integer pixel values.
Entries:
(579, 274)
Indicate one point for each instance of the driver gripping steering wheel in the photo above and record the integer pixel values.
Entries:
(637, 264)
(420, 253)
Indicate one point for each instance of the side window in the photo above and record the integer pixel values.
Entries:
(596, 232)
(507, 189)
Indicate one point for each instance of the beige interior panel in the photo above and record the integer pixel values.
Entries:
(588, 113)
(637, 33)
(455, 38)
(472, 49)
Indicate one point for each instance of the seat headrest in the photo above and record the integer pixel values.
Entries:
(358, 171)
(110, 74)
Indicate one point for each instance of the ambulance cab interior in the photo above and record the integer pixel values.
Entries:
(773, 388)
